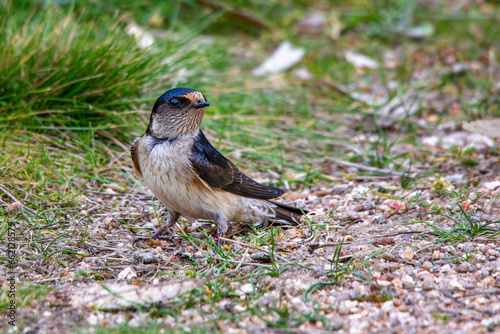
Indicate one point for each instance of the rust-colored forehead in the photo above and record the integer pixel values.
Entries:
(194, 97)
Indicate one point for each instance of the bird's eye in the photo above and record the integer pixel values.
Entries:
(174, 103)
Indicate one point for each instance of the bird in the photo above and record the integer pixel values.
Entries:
(194, 180)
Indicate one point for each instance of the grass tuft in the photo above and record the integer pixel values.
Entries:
(58, 69)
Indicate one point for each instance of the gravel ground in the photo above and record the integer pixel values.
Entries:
(372, 257)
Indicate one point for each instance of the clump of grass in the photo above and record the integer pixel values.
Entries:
(464, 226)
(56, 68)
(26, 294)
(241, 15)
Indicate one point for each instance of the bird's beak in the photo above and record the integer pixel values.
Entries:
(200, 104)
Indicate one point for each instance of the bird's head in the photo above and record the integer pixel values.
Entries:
(176, 113)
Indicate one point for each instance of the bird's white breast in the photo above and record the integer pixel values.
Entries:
(168, 173)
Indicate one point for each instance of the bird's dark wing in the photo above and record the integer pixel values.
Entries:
(135, 158)
(218, 172)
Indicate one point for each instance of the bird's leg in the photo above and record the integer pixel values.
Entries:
(172, 218)
(221, 228)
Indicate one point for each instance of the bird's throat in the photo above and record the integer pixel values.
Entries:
(173, 126)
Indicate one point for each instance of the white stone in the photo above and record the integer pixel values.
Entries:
(247, 288)
(492, 185)
(127, 273)
(387, 306)
(445, 269)
(359, 60)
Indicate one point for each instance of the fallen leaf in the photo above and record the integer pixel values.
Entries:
(359, 60)
(284, 57)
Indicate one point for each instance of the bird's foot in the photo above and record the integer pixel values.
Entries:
(158, 234)
(220, 243)
(216, 240)
(152, 238)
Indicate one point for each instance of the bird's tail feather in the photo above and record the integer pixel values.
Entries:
(287, 214)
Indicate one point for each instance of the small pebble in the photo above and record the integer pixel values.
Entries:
(351, 216)
(75, 317)
(261, 257)
(367, 205)
(146, 256)
(472, 196)
(408, 281)
(468, 247)
(465, 267)
(475, 219)
(407, 255)
(247, 288)
(387, 306)
(492, 185)
(318, 272)
(360, 272)
(483, 248)
(488, 281)
(127, 273)
(380, 219)
(446, 268)
(485, 272)
(436, 254)
(493, 253)
(427, 264)
(487, 217)
(229, 308)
